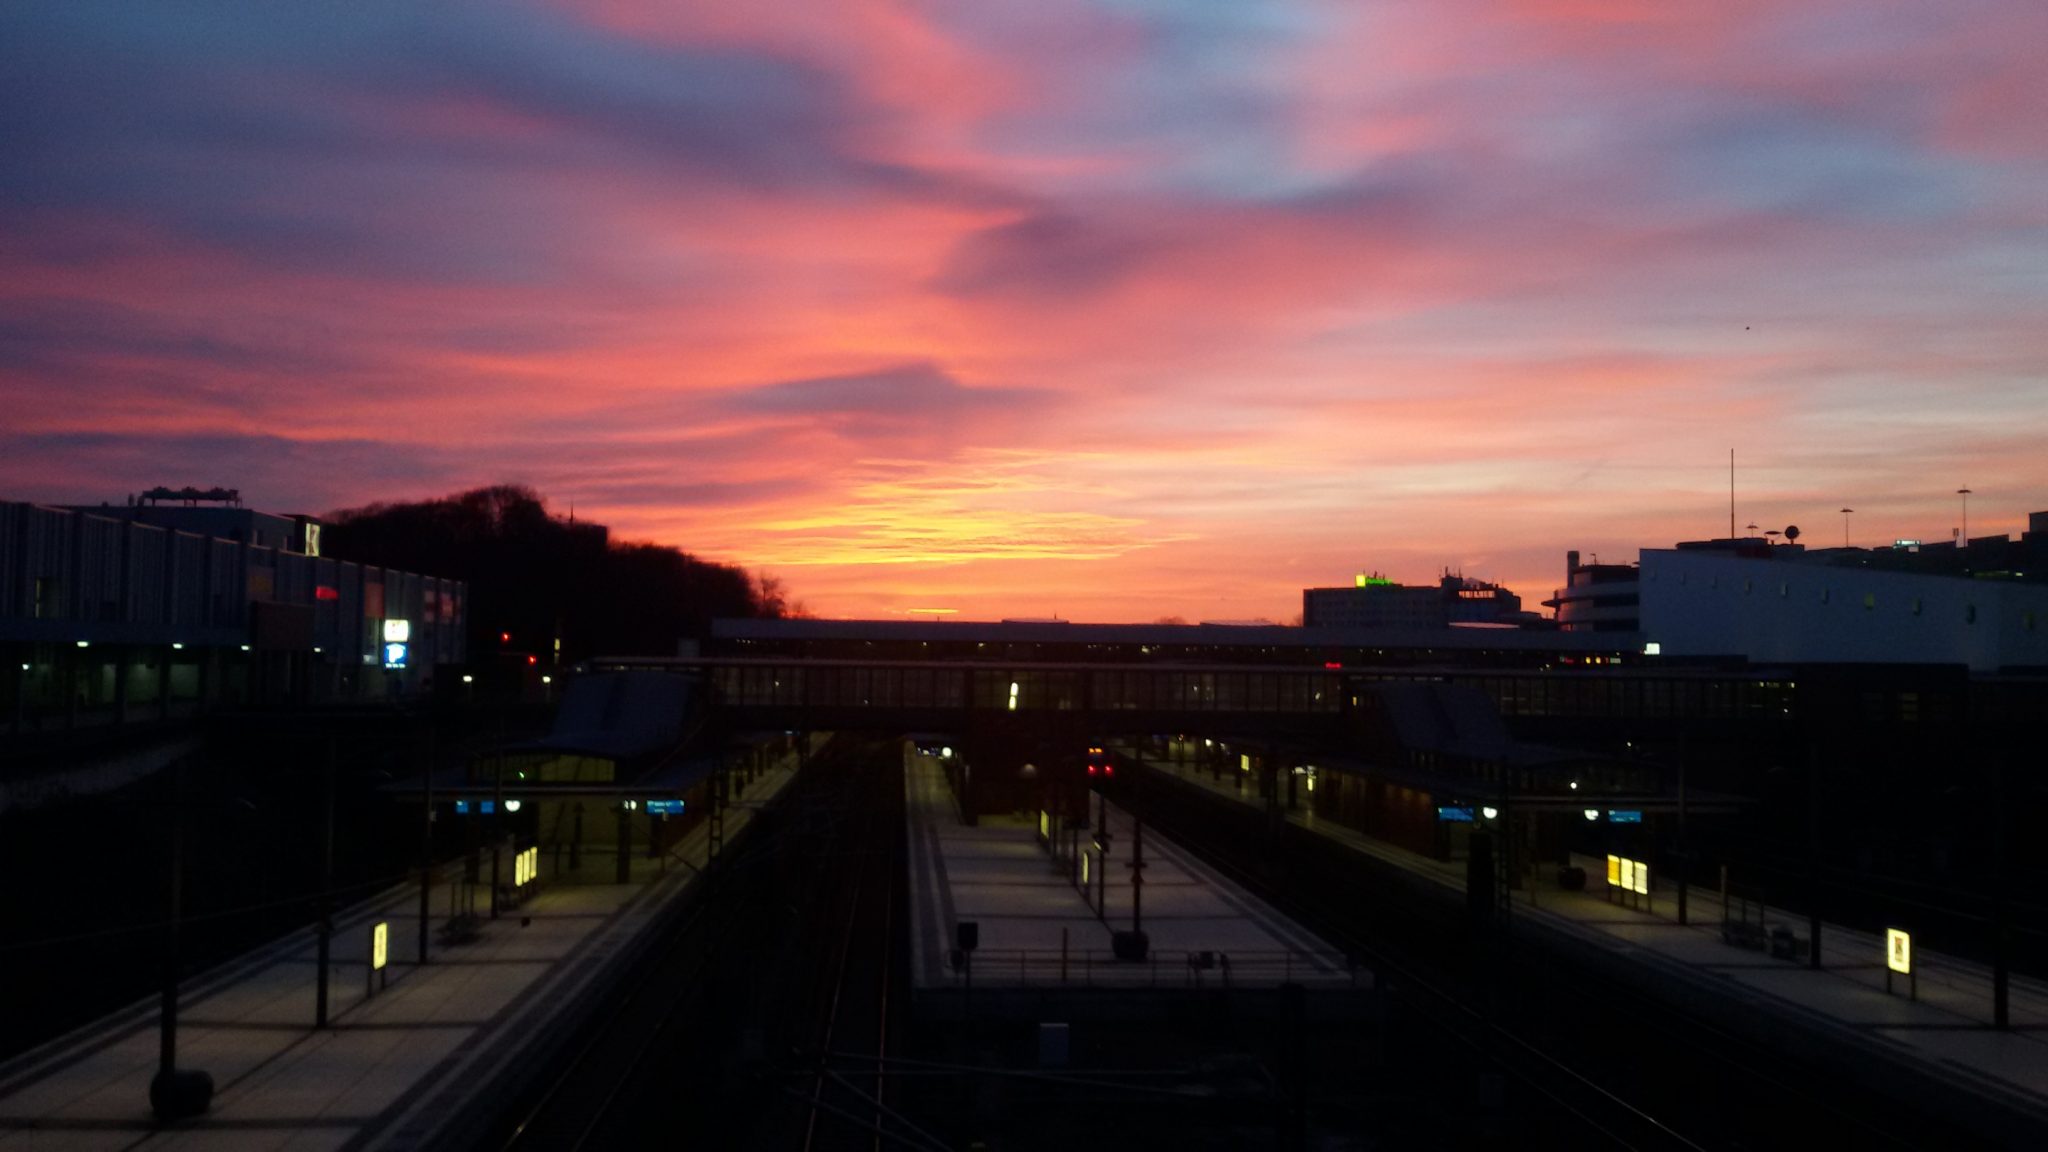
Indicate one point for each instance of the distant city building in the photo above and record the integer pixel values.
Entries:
(1984, 605)
(1373, 601)
(150, 610)
(1596, 597)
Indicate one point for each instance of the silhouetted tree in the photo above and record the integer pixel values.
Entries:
(533, 577)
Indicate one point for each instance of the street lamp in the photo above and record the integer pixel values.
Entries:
(1965, 494)
(1845, 526)
(178, 1093)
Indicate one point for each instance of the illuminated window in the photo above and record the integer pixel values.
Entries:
(1869, 601)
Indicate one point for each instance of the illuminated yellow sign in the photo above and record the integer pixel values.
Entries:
(1628, 875)
(1244, 763)
(526, 867)
(397, 631)
(1898, 950)
(380, 944)
(1044, 825)
(1084, 869)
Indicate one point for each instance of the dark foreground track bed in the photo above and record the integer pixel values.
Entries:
(785, 950)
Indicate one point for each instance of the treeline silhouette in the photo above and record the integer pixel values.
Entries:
(533, 576)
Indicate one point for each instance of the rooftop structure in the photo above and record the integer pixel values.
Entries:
(1373, 601)
(1596, 597)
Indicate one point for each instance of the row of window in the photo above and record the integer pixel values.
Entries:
(1915, 605)
(1300, 692)
(1028, 689)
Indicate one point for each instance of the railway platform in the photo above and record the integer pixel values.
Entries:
(1046, 934)
(1938, 1024)
(403, 1061)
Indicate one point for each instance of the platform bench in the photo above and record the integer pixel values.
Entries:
(461, 930)
(1744, 934)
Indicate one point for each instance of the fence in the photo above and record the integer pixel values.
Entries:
(1041, 967)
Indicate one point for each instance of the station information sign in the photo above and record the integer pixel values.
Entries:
(1628, 875)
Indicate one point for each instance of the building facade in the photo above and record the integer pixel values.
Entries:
(106, 616)
(1785, 608)
(1597, 597)
(1377, 602)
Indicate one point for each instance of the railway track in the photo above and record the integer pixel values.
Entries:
(1626, 1067)
(719, 1040)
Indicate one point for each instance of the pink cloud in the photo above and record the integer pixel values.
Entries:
(1043, 310)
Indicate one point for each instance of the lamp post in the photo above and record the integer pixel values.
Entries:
(1965, 494)
(174, 1093)
(426, 838)
(1845, 526)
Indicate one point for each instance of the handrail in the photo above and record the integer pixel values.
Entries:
(1009, 967)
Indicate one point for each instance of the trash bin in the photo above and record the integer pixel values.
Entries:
(1783, 945)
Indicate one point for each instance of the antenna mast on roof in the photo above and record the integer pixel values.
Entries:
(1731, 493)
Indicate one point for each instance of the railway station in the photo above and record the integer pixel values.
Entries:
(1099, 855)
(1097, 918)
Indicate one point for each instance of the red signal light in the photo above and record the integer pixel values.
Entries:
(532, 660)
(1091, 769)
(504, 637)
(1109, 769)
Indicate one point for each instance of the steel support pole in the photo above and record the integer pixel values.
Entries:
(426, 839)
(167, 1039)
(1813, 859)
(1684, 851)
(1137, 874)
(326, 919)
(2001, 935)
(497, 819)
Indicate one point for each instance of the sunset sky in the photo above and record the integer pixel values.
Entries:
(1103, 309)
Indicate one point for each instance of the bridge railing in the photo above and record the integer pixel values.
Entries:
(1039, 967)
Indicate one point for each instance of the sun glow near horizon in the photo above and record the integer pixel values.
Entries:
(1105, 311)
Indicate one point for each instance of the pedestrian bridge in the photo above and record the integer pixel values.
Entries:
(1297, 700)
(819, 694)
